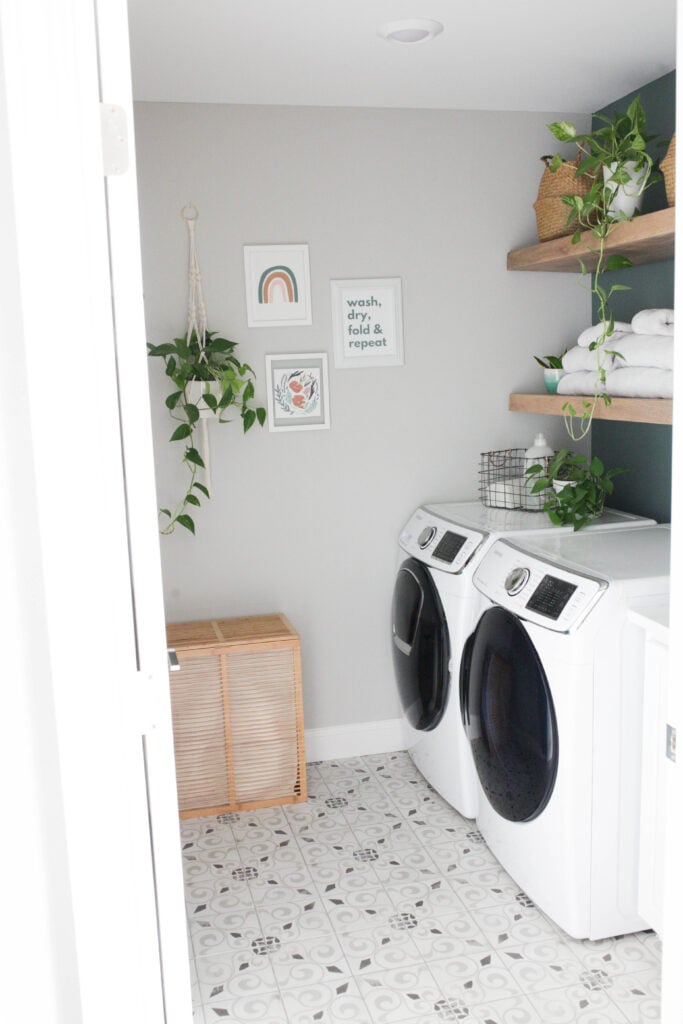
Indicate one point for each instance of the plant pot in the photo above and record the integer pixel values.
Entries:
(626, 199)
(551, 378)
(195, 389)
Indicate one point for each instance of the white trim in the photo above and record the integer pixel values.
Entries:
(354, 740)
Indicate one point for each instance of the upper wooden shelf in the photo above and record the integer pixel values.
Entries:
(635, 410)
(646, 239)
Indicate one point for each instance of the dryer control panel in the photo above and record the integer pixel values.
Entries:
(438, 542)
(535, 589)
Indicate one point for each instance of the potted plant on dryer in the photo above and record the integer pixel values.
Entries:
(575, 487)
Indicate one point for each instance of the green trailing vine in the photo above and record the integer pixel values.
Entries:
(620, 140)
(229, 385)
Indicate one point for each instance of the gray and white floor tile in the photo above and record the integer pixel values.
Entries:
(376, 903)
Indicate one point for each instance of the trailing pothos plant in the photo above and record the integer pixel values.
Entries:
(574, 487)
(229, 385)
(611, 155)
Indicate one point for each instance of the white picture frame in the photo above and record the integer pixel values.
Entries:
(278, 285)
(367, 322)
(298, 391)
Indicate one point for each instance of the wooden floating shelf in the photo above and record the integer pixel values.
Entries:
(634, 410)
(646, 239)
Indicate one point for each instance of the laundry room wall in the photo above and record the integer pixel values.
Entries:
(306, 522)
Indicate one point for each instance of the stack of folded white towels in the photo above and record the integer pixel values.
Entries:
(643, 367)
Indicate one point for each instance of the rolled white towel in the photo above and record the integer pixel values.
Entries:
(592, 334)
(640, 382)
(582, 382)
(643, 350)
(653, 321)
(580, 358)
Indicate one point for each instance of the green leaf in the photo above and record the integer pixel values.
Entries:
(165, 512)
(172, 400)
(617, 262)
(261, 415)
(563, 131)
(596, 467)
(193, 456)
(210, 400)
(248, 392)
(192, 412)
(248, 419)
(186, 521)
(184, 430)
(192, 499)
(202, 488)
(162, 350)
(226, 398)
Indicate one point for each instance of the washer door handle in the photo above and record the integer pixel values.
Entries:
(465, 663)
(403, 647)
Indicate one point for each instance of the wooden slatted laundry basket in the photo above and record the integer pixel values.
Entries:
(237, 714)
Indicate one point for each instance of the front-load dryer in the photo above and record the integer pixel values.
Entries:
(551, 694)
(434, 609)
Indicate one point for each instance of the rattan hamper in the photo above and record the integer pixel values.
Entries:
(237, 714)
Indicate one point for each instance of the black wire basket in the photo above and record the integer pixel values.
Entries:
(502, 481)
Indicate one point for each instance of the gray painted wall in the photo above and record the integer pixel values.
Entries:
(306, 523)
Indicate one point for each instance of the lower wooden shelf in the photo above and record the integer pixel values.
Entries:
(635, 410)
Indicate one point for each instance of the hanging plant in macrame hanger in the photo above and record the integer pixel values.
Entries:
(208, 381)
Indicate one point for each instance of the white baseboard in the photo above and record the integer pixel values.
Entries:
(354, 740)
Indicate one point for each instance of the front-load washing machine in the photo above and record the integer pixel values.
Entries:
(434, 610)
(551, 695)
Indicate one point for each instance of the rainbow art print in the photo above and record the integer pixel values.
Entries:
(277, 279)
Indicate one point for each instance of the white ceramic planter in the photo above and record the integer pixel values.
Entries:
(626, 199)
(194, 391)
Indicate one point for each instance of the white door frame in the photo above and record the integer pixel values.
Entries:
(85, 683)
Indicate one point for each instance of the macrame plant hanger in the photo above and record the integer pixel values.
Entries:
(196, 317)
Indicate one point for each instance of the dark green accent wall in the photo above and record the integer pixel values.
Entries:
(644, 447)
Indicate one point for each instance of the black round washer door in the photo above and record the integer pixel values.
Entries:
(510, 717)
(420, 646)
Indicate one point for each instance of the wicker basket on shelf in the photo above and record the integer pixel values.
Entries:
(668, 169)
(551, 212)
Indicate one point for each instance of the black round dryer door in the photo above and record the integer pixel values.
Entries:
(509, 717)
(420, 645)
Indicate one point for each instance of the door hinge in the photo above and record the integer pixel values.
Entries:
(670, 742)
(114, 139)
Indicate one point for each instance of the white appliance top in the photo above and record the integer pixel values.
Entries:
(555, 581)
(446, 535)
(507, 520)
(643, 554)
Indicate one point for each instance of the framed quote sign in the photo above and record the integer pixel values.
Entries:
(367, 320)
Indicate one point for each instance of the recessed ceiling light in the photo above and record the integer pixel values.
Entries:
(411, 30)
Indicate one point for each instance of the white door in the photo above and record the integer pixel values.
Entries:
(672, 975)
(98, 877)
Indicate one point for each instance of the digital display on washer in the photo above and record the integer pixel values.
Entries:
(448, 546)
(550, 597)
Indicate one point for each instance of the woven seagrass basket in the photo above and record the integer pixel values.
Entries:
(668, 169)
(551, 212)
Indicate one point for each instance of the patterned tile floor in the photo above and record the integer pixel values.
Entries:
(376, 903)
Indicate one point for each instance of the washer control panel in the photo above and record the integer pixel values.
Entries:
(535, 589)
(438, 542)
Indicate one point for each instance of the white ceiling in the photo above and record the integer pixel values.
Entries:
(492, 54)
